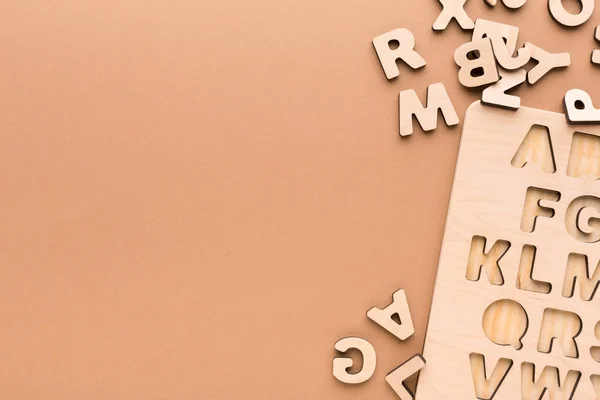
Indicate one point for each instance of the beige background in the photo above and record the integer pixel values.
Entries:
(200, 197)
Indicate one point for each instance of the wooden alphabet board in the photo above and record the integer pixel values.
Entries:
(515, 308)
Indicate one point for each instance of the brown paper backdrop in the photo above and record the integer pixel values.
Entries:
(200, 197)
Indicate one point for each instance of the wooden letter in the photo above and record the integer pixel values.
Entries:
(341, 364)
(437, 100)
(514, 4)
(398, 308)
(504, 42)
(405, 51)
(485, 389)
(563, 17)
(504, 34)
(580, 108)
(536, 148)
(505, 58)
(546, 62)
(525, 279)
(584, 158)
(481, 69)
(397, 377)
(478, 258)
(549, 381)
(596, 53)
(495, 95)
(578, 271)
(453, 9)
(532, 208)
(562, 325)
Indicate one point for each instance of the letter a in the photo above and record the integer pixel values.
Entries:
(385, 318)
(536, 148)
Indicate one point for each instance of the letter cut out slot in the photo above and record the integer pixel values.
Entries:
(584, 157)
(582, 219)
(505, 323)
(595, 353)
(486, 387)
(564, 326)
(525, 279)
(578, 274)
(533, 208)
(548, 383)
(489, 261)
(536, 149)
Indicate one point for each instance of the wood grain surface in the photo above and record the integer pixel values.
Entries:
(531, 303)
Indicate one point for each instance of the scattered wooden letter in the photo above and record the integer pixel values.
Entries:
(385, 317)
(596, 53)
(505, 59)
(397, 377)
(504, 42)
(565, 18)
(514, 4)
(546, 62)
(479, 69)
(437, 100)
(453, 9)
(495, 95)
(580, 108)
(341, 364)
(405, 51)
(506, 34)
